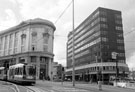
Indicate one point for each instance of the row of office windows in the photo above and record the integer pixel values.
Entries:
(120, 34)
(88, 45)
(120, 41)
(82, 53)
(108, 54)
(96, 28)
(92, 17)
(87, 30)
(105, 32)
(91, 59)
(107, 68)
(86, 27)
(103, 39)
(121, 48)
(96, 49)
(106, 46)
(95, 35)
(118, 21)
(117, 17)
(121, 54)
(85, 46)
(118, 28)
(89, 26)
(89, 51)
(121, 61)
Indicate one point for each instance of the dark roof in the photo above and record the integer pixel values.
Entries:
(29, 22)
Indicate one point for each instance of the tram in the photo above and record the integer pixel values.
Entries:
(3, 74)
(22, 73)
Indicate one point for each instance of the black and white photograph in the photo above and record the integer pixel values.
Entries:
(67, 45)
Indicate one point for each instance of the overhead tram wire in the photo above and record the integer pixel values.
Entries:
(51, 35)
(58, 20)
(128, 32)
(63, 12)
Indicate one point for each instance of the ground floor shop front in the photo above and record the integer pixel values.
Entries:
(106, 78)
(42, 62)
(93, 73)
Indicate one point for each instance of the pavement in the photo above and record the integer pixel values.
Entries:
(80, 87)
(4, 87)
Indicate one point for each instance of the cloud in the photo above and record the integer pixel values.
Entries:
(9, 20)
(131, 61)
(47, 9)
(13, 10)
(13, 1)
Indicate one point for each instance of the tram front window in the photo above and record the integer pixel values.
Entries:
(31, 70)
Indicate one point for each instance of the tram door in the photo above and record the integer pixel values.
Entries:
(42, 72)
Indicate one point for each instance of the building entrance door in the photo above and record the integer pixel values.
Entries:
(42, 72)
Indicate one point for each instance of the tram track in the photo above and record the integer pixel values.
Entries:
(35, 89)
(25, 88)
(29, 89)
(10, 85)
(17, 87)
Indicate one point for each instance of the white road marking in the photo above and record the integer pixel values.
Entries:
(36, 89)
(45, 89)
(66, 89)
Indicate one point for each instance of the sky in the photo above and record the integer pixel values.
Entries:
(12, 12)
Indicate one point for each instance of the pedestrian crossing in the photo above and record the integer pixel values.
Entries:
(67, 89)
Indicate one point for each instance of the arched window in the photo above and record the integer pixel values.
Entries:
(23, 38)
(23, 41)
(34, 37)
(46, 37)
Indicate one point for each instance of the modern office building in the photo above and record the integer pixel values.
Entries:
(30, 42)
(95, 40)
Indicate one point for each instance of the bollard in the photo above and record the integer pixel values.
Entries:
(99, 85)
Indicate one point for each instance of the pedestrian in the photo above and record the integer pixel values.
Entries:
(99, 85)
(43, 78)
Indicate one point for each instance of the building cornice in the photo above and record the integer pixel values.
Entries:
(28, 23)
(32, 53)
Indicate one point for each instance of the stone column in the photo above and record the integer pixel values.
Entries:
(17, 60)
(37, 67)
(50, 69)
(28, 59)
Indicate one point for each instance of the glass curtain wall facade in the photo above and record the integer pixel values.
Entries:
(95, 39)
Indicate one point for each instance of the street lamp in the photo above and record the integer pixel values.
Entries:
(114, 56)
(96, 66)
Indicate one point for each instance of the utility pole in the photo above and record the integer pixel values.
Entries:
(114, 56)
(73, 61)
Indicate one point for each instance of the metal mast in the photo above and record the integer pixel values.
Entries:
(73, 61)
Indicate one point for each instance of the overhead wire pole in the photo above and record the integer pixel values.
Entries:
(73, 60)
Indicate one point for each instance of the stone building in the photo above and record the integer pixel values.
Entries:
(30, 42)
